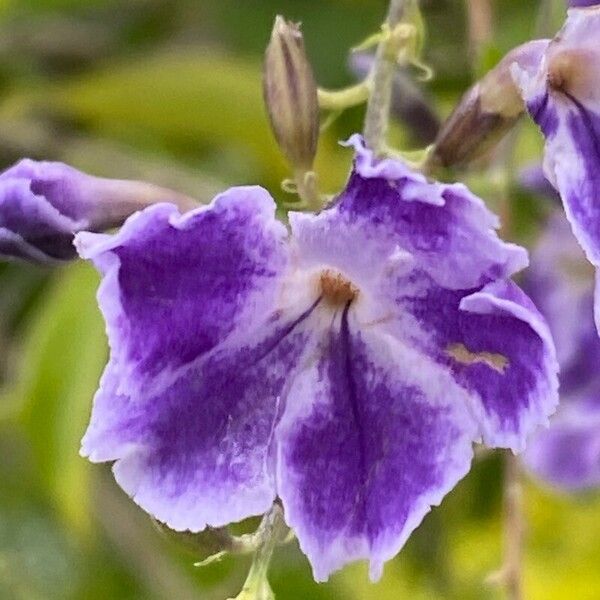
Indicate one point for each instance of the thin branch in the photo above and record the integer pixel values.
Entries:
(510, 575)
(513, 528)
(481, 27)
(378, 106)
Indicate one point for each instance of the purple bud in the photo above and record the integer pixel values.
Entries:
(487, 111)
(43, 204)
(290, 93)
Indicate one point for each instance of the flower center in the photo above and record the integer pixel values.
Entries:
(336, 290)
(568, 72)
(560, 71)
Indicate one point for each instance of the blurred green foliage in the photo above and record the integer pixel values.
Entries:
(169, 90)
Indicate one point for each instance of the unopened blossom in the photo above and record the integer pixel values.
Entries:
(290, 93)
(561, 282)
(43, 204)
(563, 97)
(345, 366)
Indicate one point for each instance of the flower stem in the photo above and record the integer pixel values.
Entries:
(513, 528)
(271, 532)
(307, 189)
(344, 98)
(378, 106)
(509, 576)
(513, 498)
(480, 14)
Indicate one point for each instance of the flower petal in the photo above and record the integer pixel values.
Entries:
(561, 283)
(14, 246)
(33, 228)
(43, 204)
(422, 248)
(369, 441)
(582, 3)
(563, 99)
(175, 287)
(567, 455)
(68, 190)
(497, 346)
(195, 450)
(518, 398)
(449, 231)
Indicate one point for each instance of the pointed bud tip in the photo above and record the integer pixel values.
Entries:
(283, 27)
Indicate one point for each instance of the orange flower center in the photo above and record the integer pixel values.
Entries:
(336, 290)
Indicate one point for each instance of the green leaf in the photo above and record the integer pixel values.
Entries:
(193, 104)
(200, 107)
(64, 352)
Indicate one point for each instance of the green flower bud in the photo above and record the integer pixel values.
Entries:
(290, 93)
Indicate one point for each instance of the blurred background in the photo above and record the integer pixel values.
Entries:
(170, 91)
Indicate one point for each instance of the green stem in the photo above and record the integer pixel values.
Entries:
(378, 106)
(513, 507)
(344, 98)
(271, 532)
(480, 16)
(306, 185)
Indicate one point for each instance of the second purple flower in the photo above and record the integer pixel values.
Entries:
(567, 455)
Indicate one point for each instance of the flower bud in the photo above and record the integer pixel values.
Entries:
(43, 204)
(487, 111)
(290, 93)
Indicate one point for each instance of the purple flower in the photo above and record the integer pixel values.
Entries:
(563, 97)
(561, 282)
(42, 205)
(582, 3)
(346, 367)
